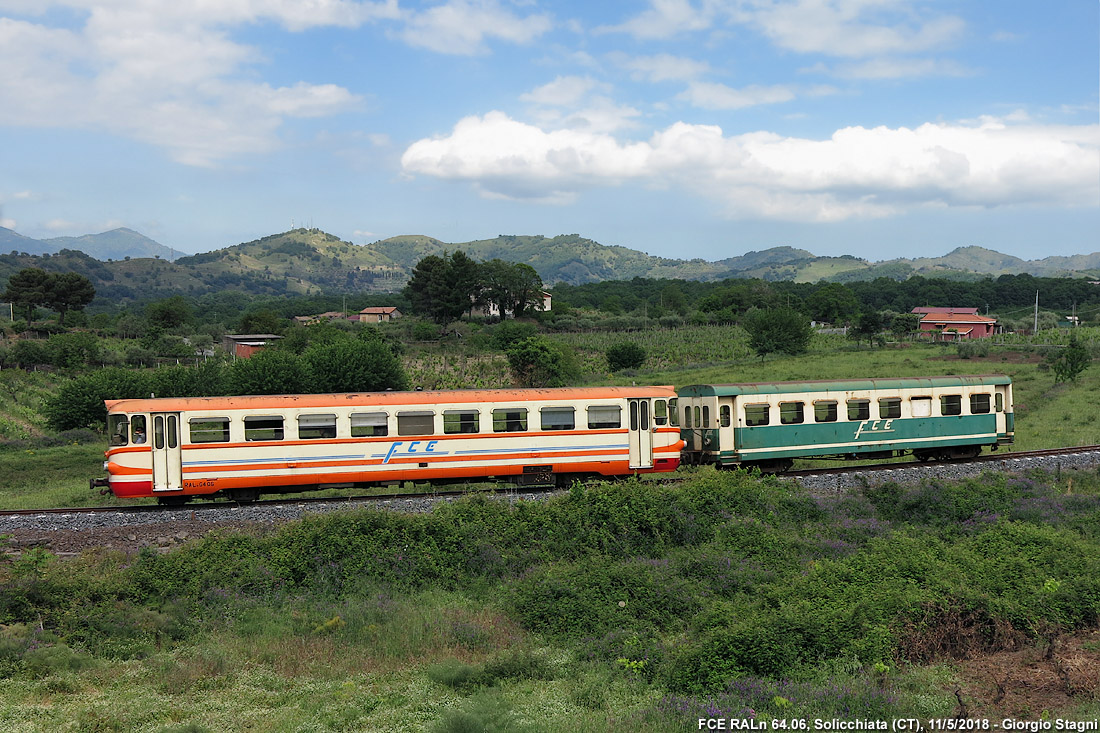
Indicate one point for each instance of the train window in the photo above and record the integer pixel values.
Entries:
(209, 429)
(173, 431)
(825, 411)
(369, 424)
(706, 416)
(660, 412)
(859, 409)
(921, 406)
(510, 420)
(758, 414)
(461, 421)
(698, 417)
(979, 404)
(558, 418)
(790, 413)
(421, 422)
(316, 427)
(951, 404)
(158, 432)
(724, 416)
(1000, 402)
(687, 416)
(605, 416)
(673, 417)
(138, 432)
(263, 428)
(889, 407)
(118, 427)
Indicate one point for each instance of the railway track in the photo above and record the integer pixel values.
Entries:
(396, 500)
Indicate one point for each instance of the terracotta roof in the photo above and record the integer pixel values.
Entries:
(941, 309)
(956, 318)
(382, 309)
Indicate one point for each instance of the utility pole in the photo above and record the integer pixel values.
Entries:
(1035, 330)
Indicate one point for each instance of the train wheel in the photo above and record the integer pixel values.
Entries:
(245, 496)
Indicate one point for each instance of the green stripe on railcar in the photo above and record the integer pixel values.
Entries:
(867, 436)
(841, 385)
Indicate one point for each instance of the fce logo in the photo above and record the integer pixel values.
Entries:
(429, 447)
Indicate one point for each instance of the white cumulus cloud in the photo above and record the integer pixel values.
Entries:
(856, 173)
(169, 74)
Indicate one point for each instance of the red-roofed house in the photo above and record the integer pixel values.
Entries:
(956, 323)
(379, 315)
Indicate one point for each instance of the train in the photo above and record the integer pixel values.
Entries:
(239, 447)
(177, 449)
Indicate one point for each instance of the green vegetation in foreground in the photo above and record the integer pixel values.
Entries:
(624, 606)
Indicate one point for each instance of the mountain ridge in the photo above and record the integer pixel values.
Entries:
(311, 261)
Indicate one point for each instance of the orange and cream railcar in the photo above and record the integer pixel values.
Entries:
(240, 447)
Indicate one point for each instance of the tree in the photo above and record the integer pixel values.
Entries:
(260, 321)
(1071, 361)
(354, 365)
(269, 372)
(27, 289)
(513, 287)
(169, 313)
(868, 325)
(778, 330)
(627, 355)
(443, 288)
(832, 303)
(904, 324)
(68, 291)
(539, 362)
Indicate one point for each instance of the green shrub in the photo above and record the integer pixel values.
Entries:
(78, 403)
(627, 355)
(269, 371)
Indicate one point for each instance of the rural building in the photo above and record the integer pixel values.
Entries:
(383, 314)
(244, 345)
(955, 324)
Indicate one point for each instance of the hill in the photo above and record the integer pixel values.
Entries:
(117, 244)
(310, 261)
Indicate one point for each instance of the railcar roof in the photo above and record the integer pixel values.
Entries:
(841, 385)
(379, 399)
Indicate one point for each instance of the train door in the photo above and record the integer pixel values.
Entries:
(167, 458)
(1002, 408)
(640, 434)
(727, 408)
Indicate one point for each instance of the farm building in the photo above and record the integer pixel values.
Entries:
(955, 323)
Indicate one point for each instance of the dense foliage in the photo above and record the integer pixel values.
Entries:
(61, 291)
(539, 362)
(713, 590)
(779, 330)
(625, 355)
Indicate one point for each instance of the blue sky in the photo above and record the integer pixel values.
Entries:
(682, 128)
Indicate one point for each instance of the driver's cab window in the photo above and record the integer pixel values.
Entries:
(138, 432)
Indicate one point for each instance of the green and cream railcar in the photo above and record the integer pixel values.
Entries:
(769, 425)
